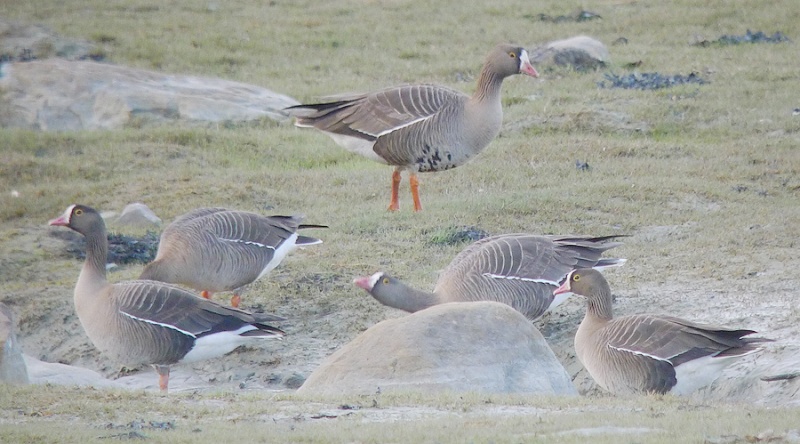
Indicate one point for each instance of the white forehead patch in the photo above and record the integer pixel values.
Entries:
(375, 278)
(523, 55)
(68, 213)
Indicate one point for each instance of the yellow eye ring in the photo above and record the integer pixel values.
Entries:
(78, 212)
(385, 281)
(576, 277)
(513, 55)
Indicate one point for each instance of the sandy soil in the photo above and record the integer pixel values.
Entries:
(49, 329)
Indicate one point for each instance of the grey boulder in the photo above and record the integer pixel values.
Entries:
(483, 347)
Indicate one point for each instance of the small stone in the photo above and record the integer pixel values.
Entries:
(138, 215)
(582, 53)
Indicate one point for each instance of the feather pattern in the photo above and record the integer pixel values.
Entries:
(421, 128)
(520, 270)
(214, 249)
(645, 353)
(148, 322)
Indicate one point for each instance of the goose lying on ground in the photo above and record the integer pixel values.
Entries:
(148, 322)
(649, 353)
(420, 128)
(520, 270)
(214, 249)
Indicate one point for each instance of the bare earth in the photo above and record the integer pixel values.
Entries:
(763, 301)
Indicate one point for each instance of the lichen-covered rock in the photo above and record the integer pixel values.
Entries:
(461, 347)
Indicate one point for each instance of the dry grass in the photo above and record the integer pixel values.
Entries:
(377, 419)
(706, 178)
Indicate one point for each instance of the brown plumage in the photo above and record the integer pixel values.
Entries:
(148, 322)
(520, 270)
(649, 353)
(214, 249)
(419, 128)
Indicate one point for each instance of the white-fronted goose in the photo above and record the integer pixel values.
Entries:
(148, 322)
(420, 128)
(520, 270)
(648, 353)
(214, 249)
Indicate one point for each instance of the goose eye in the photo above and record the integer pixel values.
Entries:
(576, 277)
(385, 281)
(513, 55)
(78, 212)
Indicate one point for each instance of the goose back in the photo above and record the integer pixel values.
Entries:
(421, 128)
(520, 270)
(148, 322)
(649, 353)
(214, 249)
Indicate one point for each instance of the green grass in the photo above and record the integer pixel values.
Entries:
(716, 164)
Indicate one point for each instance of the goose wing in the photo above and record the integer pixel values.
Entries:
(174, 308)
(369, 116)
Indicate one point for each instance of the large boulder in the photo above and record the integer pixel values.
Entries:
(463, 347)
(57, 94)
(12, 364)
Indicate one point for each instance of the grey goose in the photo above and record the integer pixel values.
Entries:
(419, 128)
(649, 353)
(215, 249)
(148, 322)
(520, 270)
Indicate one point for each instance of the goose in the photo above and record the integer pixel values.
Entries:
(419, 128)
(215, 249)
(520, 270)
(649, 353)
(148, 322)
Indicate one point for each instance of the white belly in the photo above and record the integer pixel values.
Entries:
(358, 146)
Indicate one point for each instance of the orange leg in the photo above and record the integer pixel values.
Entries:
(163, 376)
(236, 300)
(414, 181)
(205, 294)
(394, 205)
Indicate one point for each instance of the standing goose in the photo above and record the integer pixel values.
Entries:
(649, 353)
(147, 322)
(214, 249)
(520, 270)
(420, 128)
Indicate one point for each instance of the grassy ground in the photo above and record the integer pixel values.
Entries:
(706, 179)
(396, 418)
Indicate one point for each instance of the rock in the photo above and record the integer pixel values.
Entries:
(21, 42)
(477, 347)
(56, 94)
(180, 378)
(12, 365)
(582, 53)
(61, 374)
(138, 215)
